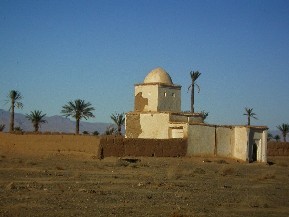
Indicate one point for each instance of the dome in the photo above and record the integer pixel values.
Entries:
(158, 75)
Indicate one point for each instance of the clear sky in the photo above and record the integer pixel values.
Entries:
(55, 51)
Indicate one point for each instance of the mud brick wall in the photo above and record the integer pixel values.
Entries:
(278, 148)
(44, 143)
(120, 146)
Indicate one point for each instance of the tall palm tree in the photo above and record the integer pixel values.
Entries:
(36, 118)
(250, 114)
(194, 77)
(15, 98)
(78, 109)
(284, 128)
(119, 120)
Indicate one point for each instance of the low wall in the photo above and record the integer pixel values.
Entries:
(120, 146)
(278, 148)
(104, 146)
(41, 143)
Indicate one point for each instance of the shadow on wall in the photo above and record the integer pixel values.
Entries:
(120, 146)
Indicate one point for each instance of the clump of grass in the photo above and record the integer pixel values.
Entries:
(174, 172)
(199, 171)
(124, 162)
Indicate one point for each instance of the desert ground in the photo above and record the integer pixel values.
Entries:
(71, 183)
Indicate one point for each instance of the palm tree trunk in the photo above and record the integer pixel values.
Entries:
(36, 127)
(12, 117)
(284, 137)
(77, 127)
(249, 121)
(193, 97)
(119, 130)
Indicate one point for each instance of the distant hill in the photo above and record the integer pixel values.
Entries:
(54, 124)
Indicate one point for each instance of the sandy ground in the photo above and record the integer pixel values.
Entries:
(77, 184)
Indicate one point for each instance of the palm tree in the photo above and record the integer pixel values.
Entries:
(284, 128)
(78, 109)
(119, 120)
(15, 97)
(109, 130)
(36, 118)
(277, 138)
(250, 114)
(194, 77)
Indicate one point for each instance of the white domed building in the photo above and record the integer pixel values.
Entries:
(157, 115)
(157, 109)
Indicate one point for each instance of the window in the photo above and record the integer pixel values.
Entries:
(165, 94)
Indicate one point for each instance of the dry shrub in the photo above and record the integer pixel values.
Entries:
(121, 163)
(124, 162)
(221, 162)
(227, 171)
(174, 172)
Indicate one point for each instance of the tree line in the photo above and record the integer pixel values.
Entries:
(77, 109)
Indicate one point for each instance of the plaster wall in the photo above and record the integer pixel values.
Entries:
(241, 143)
(201, 140)
(225, 141)
(154, 125)
(146, 98)
(195, 119)
(178, 118)
(169, 98)
(178, 130)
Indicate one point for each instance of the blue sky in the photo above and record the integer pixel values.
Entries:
(57, 51)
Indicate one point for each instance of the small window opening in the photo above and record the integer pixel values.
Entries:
(165, 94)
(173, 95)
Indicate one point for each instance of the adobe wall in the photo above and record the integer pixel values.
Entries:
(225, 140)
(278, 148)
(241, 143)
(201, 140)
(41, 143)
(120, 146)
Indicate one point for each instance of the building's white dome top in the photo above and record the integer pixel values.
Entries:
(158, 75)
